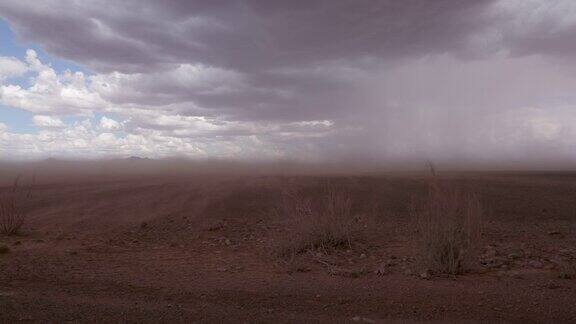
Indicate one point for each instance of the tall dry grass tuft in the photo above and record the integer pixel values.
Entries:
(324, 221)
(13, 207)
(449, 225)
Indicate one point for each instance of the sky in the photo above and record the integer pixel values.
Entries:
(490, 81)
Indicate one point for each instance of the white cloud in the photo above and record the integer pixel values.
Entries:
(52, 93)
(177, 83)
(109, 124)
(11, 67)
(47, 121)
(89, 140)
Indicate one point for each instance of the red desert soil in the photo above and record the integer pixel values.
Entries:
(189, 248)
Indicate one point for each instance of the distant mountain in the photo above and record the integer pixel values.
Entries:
(137, 158)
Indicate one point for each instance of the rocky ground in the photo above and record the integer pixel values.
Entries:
(193, 248)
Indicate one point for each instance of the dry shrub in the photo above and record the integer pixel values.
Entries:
(321, 222)
(13, 207)
(449, 225)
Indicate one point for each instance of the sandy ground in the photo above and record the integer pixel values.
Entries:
(197, 248)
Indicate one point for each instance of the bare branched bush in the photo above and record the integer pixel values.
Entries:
(13, 202)
(321, 222)
(449, 225)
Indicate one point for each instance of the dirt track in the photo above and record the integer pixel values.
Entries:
(199, 249)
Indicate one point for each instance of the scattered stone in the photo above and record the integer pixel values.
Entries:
(303, 269)
(535, 264)
(383, 270)
(425, 275)
(362, 319)
(349, 273)
(552, 285)
(490, 252)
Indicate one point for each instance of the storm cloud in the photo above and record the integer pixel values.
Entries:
(485, 80)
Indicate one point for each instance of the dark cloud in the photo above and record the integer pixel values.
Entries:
(244, 35)
(414, 78)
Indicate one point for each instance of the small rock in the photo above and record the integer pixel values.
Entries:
(425, 275)
(536, 264)
(362, 256)
(143, 225)
(490, 253)
(552, 285)
(382, 270)
(303, 269)
(554, 233)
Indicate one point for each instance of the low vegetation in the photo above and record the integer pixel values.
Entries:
(13, 202)
(320, 221)
(449, 228)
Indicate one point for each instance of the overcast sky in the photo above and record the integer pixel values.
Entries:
(483, 80)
